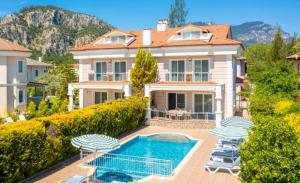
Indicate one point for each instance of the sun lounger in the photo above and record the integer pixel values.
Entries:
(228, 143)
(232, 168)
(76, 179)
(9, 120)
(231, 154)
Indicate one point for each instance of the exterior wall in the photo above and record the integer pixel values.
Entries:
(12, 75)
(3, 101)
(31, 72)
(297, 65)
(12, 98)
(88, 96)
(3, 70)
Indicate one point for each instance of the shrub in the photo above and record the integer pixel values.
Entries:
(49, 137)
(30, 110)
(271, 154)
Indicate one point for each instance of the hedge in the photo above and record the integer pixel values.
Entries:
(30, 146)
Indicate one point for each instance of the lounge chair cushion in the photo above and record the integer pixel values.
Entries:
(75, 179)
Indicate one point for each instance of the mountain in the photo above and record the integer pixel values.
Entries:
(51, 29)
(253, 32)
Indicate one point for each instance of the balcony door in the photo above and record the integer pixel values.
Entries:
(177, 70)
(120, 71)
(101, 69)
(201, 70)
(203, 103)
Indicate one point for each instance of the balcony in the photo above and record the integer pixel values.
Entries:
(186, 77)
(109, 76)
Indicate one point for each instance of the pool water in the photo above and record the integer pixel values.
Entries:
(142, 156)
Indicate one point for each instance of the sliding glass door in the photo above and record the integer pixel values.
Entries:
(203, 103)
(176, 100)
(100, 97)
(177, 70)
(201, 70)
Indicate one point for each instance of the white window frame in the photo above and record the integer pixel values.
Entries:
(209, 68)
(204, 93)
(36, 73)
(185, 99)
(95, 68)
(190, 35)
(18, 97)
(118, 39)
(170, 69)
(113, 69)
(23, 67)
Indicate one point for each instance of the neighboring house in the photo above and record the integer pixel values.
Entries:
(36, 68)
(196, 68)
(13, 76)
(296, 61)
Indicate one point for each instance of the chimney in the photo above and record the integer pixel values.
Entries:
(40, 59)
(162, 25)
(147, 37)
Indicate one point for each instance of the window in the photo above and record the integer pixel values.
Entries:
(191, 35)
(201, 70)
(36, 73)
(100, 97)
(20, 67)
(100, 71)
(120, 71)
(118, 39)
(177, 70)
(176, 100)
(203, 103)
(119, 95)
(21, 96)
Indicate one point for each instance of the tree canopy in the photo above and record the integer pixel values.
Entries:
(177, 14)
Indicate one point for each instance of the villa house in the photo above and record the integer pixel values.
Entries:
(36, 68)
(196, 69)
(13, 76)
(296, 61)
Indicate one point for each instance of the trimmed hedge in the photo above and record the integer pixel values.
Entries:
(30, 146)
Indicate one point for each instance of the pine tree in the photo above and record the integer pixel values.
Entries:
(143, 72)
(177, 14)
(277, 47)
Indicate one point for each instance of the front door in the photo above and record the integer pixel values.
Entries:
(176, 100)
(100, 97)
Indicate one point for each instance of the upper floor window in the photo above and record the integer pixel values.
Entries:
(120, 71)
(20, 66)
(101, 69)
(118, 39)
(201, 70)
(191, 35)
(177, 70)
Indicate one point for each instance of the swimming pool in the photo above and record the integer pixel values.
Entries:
(143, 156)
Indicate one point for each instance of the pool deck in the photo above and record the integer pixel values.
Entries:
(191, 171)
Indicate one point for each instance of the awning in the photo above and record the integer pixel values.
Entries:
(95, 142)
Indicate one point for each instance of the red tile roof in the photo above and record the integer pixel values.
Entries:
(220, 36)
(6, 45)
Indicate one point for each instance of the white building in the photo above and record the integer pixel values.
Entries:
(36, 68)
(13, 76)
(196, 68)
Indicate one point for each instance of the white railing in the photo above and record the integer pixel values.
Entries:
(182, 115)
(109, 76)
(186, 76)
(134, 166)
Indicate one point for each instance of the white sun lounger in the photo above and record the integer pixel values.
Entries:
(9, 120)
(214, 167)
(76, 179)
(22, 118)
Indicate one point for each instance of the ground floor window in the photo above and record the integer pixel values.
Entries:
(176, 100)
(21, 96)
(119, 95)
(100, 97)
(203, 103)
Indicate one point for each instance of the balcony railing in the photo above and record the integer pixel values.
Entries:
(108, 76)
(187, 76)
(183, 116)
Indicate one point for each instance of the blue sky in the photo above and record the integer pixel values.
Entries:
(138, 14)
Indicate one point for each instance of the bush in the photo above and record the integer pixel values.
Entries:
(271, 154)
(49, 137)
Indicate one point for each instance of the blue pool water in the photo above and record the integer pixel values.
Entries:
(142, 156)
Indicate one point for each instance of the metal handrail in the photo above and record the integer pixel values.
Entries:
(108, 76)
(186, 76)
(157, 114)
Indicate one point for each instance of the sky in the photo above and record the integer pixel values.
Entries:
(139, 14)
